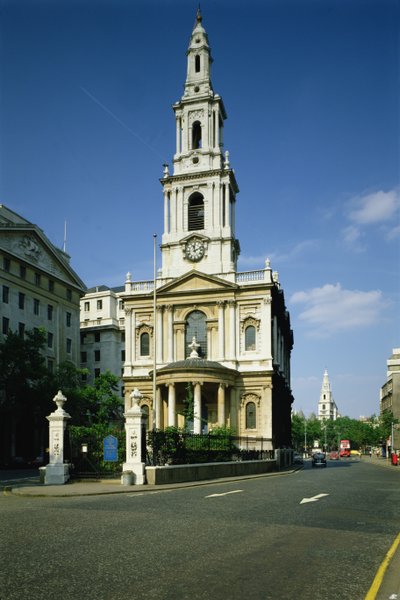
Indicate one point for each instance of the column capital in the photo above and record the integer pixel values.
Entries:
(220, 303)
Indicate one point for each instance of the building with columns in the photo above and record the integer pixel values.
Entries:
(327, 409)
(201, 329)
(390, 391)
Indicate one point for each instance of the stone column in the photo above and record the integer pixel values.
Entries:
(197, 407)
(170, 333)
(221, 404)
(232, 329)
(133, 428)
(160, 340)
(171, 405)
(56, 471)
(221, 330)
(266, 328)
(234, 410)
(166, 212)
(128, 341)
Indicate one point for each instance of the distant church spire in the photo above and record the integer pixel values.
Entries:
(327, 409)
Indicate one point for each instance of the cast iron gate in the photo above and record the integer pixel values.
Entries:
(85, 451)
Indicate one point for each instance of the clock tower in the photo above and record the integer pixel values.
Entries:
(200, 194)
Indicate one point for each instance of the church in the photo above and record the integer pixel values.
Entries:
(202, 333)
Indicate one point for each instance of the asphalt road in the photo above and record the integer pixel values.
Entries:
(257, 538)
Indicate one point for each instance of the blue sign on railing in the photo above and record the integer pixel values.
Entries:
(110, 448)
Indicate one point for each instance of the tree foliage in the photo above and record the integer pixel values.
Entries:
(328, 434)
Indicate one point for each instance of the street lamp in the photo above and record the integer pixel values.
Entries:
(305, 437)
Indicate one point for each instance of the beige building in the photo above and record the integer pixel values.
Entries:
(102, 332)
(390, 391)
(39, 289)
(207, 332)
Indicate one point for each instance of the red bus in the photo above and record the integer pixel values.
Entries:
(344, 449)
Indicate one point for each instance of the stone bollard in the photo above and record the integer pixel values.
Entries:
(56, 471)
(133, 470)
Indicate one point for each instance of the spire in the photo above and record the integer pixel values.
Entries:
(325, 382)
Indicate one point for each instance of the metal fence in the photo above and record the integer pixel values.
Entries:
(177, 448)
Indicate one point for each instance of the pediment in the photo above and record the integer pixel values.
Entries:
(28, 243)
(197, 281)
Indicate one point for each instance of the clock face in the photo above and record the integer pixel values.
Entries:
(195, 250)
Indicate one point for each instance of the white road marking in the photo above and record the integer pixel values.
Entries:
(224, 494)
(313, 499)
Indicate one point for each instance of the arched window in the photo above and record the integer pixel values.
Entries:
(196, 212)
(145, 344)
(196, 135)
(196, 327)
(197, 63)
(250, 415)
(250, 338)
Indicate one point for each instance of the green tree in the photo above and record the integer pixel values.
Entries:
(22, 373)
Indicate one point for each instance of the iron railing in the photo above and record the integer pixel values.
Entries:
(175, 448)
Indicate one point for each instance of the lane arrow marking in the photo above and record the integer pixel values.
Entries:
(313, 499)
(224, 494)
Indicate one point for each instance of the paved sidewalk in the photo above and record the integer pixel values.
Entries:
(33, 487)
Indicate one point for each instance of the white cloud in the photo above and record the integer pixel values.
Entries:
(371, 209)
(331, 309)
(297, 250)
(393, 233)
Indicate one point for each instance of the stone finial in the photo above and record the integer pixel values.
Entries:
(128, 277)
(166, 170)
(275, 276)
(267, 263)
(193, 346)
(136, 397)
(60, 400)
(227, 164)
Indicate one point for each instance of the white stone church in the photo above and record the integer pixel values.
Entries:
(224, 334)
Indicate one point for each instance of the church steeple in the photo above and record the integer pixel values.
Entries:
(200, 194)
(199, 61)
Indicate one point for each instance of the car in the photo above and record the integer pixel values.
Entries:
(318, 459)
(334, 455)
(355, 453)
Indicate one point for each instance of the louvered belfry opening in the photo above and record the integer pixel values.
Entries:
(196, 212)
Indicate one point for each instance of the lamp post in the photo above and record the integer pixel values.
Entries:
(305, 437)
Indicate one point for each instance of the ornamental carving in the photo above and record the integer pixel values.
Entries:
(142, 328)
(250, 321)
(249, 398)
(30, 247)
(195, 115)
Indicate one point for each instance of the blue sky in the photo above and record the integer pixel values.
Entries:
(311, 88)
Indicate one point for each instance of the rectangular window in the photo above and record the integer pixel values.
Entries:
(51, 285)
(6, 325)
(69, 346)
(50, 365)
(97, 373)
(22, 271)
(69, 295)
(97, 355)
(6, 294)
(37, 278)
(68, 318)
(86, 306)
(123, 355)
(99, 304)
(83, 357)
(21, 329)
(36, 306)
(6, 264)
(49, 312)
(97, 336)
(21, 300)
(83, 338)
(49, 339)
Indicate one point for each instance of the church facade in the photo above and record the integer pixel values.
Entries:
(201, 331)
